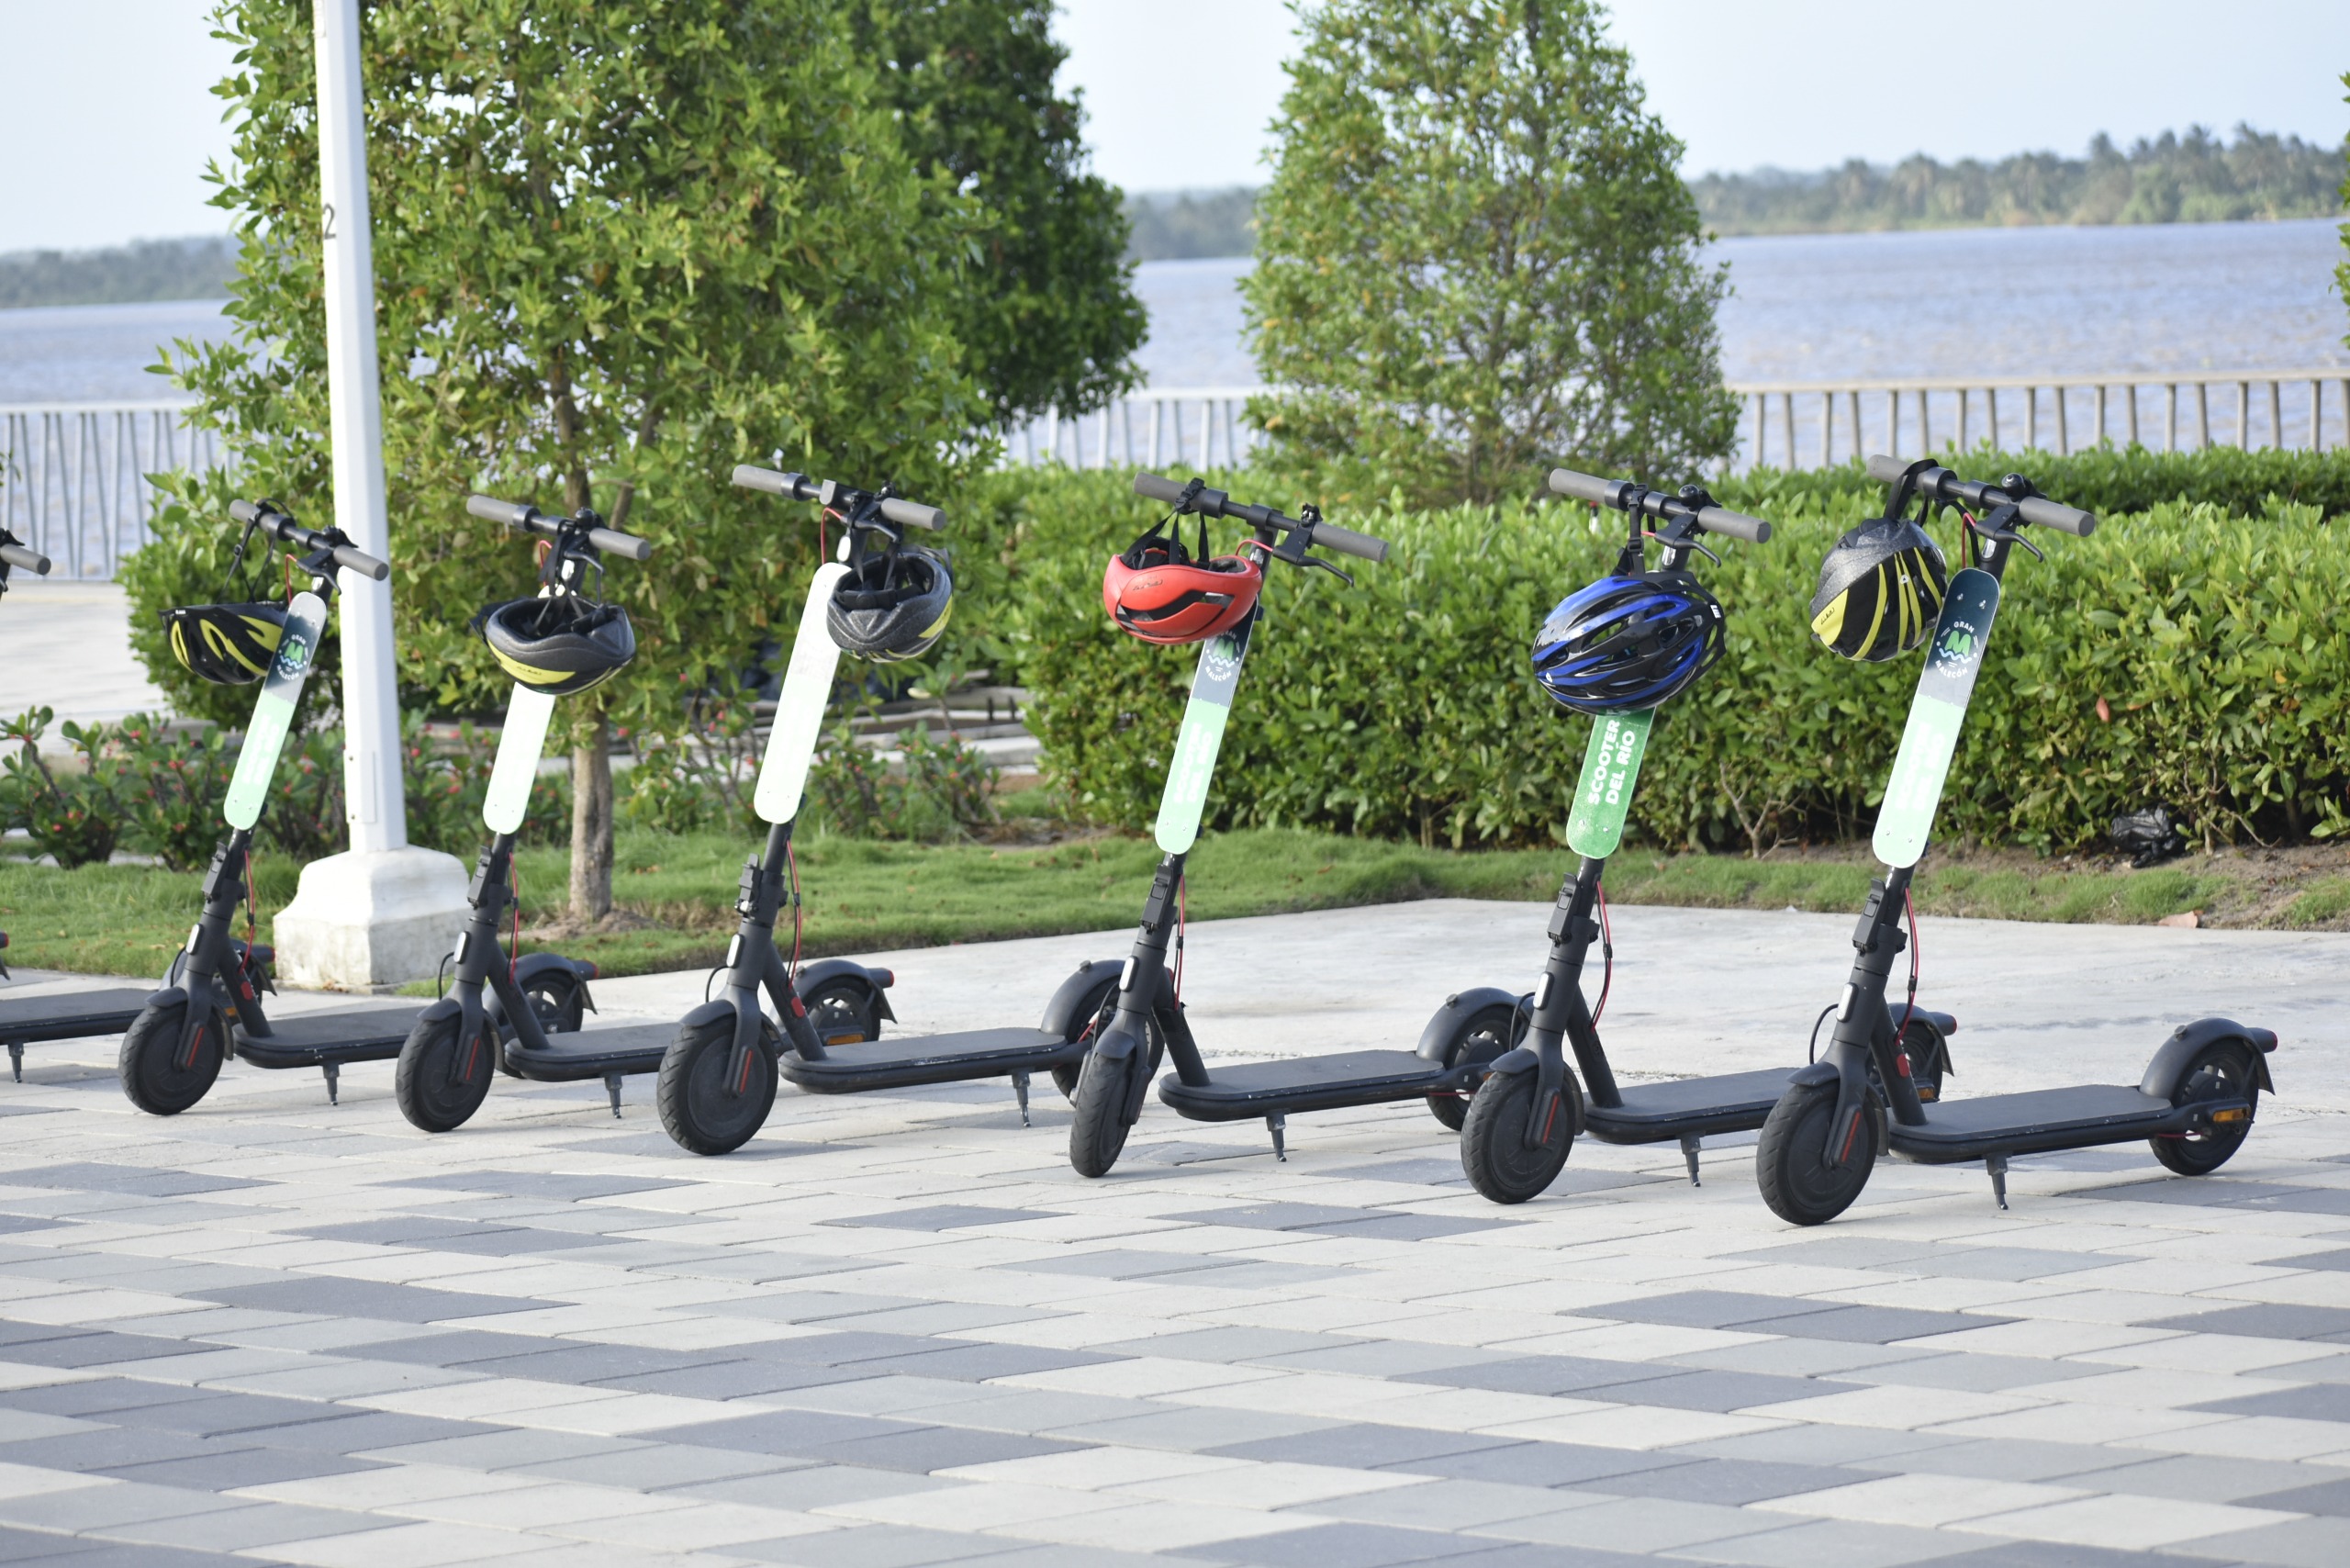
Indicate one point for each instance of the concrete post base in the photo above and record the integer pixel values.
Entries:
(360, 922)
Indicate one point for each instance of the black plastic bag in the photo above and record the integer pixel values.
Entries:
(2148, 837)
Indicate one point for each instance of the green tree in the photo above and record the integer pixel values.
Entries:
(1475, 258)
(1047, 309)
(620, 246)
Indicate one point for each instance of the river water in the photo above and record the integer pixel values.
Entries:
(2202, 297)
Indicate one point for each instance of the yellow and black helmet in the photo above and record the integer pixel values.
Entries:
(1880, 590)
(892, 605)
(227, 645)
(562, 645)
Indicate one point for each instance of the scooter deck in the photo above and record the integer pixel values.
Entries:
(931, 1059)
(594, 1053)
(1309, 1083)
(2077, 1116)
(314, 1039)
(69, 1015)
(1688, 1107)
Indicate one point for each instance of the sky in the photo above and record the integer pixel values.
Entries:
(110, 119)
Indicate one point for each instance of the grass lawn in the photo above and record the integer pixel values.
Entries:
(864, 897)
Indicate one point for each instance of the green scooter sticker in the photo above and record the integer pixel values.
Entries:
(1202, 734)
(305, 621)
(1936, 716)
(1611, 766)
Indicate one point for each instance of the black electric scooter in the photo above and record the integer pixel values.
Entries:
(31, 1021)
(1527, 1112)
(1470, 1030)
(457, 1043)
(2196, 1103)
(210, 1004)
(718, 1078)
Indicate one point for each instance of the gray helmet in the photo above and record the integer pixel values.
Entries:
(892, 605)
(562, 645)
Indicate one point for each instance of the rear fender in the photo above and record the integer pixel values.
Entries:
(876, 982)
(2168, 1069)
(1441, 1040)
(536, 966)
(1072, 1009)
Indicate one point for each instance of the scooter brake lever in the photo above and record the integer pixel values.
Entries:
(1994, 525)
(1318, 560)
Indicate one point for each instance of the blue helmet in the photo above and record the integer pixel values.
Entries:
(1628, 643)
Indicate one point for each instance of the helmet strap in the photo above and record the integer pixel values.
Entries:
(1633, 560)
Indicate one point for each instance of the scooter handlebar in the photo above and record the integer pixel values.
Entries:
(800, 488)
(1624, 494)
(359, 561)
(628, 546)
(512, 514)
(791, 486)
(1942, 484)
(912, 514)
(531, 520)
(1217, 503)
(26, 560)
(285, 531)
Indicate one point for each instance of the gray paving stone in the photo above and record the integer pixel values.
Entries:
(2062, 1554)
(1729, 1481)
(874, 1546)
(792, 1433)
(2329, 1497)
(1846, 1543)
(105, 1447)
(2209, 1478)
(1195, 1429)
(930, 1449)
(1254, 1276)
(1718, 1391)
(99, 1349)
(1703, 1309)
(499, 1450)
(1979, 1374)
(1804, 1358)
(812, 1486)
(978, 1363)
(226, 1469)
(33, 1546)
(1447, 1504)
(660, 1467)
(739, 1380)
(2321, 1542)
(429, 1234)
(1544, 1464)
(2006, 1263)
(330, 1297)
(98, 1396)
(2337, 1260)
(23, 1426)
(2313, 1401)
(841, 1348)
(129, 1181)
(217, 1414)
(242, 1529)
(1864, 1448)
(573, 1362)
(537, 1184)
(2007, 1459)
(1229, 1345)
(1114, 1263)
(938, 1217)
(2267, 1320)
(116, 1554)
(1348, 1546)
(1364, 1445)
(1395, 1358)
(455, 1347)
(1871, 1325)
(101, 1507)
(350, 1431)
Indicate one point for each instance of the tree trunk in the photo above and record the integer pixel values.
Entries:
(591, 825)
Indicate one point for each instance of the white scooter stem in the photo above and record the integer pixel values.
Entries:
(306, 623)
(800, 707)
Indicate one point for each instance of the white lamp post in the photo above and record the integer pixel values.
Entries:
(384, 912)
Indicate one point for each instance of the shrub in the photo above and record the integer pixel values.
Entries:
(73, 814)
(174, 785)
(941, 790)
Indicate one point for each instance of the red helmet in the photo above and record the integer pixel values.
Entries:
(1158, 592)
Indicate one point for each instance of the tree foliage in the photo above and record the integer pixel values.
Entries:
(2174, 178)
(620, 245)
(1475, 257)
(1047, 310)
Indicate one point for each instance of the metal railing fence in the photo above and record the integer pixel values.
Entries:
(73, 476)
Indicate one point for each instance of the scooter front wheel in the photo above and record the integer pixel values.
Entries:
(1789, 1163)
(441, 1083)
(158, 1073)
(1493, 1150)
(710, 1104)
(1098, 1126)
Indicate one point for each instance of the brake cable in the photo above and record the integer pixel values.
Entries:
(1606, 959)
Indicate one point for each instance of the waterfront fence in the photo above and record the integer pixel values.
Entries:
(73, 476)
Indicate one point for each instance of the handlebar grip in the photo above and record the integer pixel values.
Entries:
(1347, 542)
(1885, 470)
(2047, 513)
(490, 509)
(29, 560)
(751, 477)
(626, 546)
(1157, 488)
(359, 561)
(1584, 486)
(912, 514)
(243, 511)
(1737, 524)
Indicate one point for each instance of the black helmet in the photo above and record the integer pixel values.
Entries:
(562, 645)
(227, 645)
(892, 605)
(1880, 590)
(1627, 643)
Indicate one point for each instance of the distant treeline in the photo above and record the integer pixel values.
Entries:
(2194, 178)
(142, 270)
(1171, 226)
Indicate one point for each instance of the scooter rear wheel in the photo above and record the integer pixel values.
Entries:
(1105, 1007)
(1800, 1187)
(2222, 1071)
(1486, 1037)
(842, 1012)
(1494, 1151)
(153, 1075)
(703, 1111)
(438, 1092)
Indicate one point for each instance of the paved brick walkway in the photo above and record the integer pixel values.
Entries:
(896, 1330)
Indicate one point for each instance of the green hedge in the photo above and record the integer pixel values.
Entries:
(1403, 707)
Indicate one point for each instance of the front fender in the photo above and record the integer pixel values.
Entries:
(1522, 1059)
(1071, 1011)
(2168, 1067)
(1442, 1036)
(1814, 1073)
(169, 996)
(707, 1014)
(445, 1008)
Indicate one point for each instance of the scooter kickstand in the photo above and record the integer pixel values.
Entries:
(1276, 1126)
(334, 1080)
(1020, 1089)
(612, 1088)
(1689, 1152)
(17, 1060)
(1996, 1165)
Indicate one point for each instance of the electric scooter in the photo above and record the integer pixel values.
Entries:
(719, 1077)
(484, 1023)
(1470, 1030)
(31, 1021)
(1530, 1107)
(2195, 1104)
(210, 1005)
